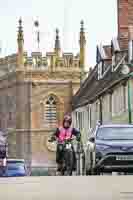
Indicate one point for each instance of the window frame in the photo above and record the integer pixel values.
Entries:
(50, 111)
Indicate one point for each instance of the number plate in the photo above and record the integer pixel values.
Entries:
(60, 147)
(68, 146)
(129, 157)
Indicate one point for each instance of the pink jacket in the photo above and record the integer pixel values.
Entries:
(64, 134)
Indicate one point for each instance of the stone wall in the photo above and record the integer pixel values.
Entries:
(31, 145)
(41, 155)
(61, 92)
(19, 144)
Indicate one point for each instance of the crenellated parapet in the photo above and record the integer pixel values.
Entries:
(11, 59)
(37, 60)
(55, 60)
(8, 63)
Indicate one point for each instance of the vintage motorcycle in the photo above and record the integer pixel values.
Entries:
(67, 150)
(68, 156)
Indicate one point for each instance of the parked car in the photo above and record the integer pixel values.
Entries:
(15, 167)
(3, 150)
(110, 149)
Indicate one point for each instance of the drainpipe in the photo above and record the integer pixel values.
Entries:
(129, 104)
(100, 114)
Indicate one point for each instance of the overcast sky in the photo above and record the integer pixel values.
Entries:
(100, 18)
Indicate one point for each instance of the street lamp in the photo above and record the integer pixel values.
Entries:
(126, 71)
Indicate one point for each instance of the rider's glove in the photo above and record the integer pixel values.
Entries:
(52, 139)
(78, 138)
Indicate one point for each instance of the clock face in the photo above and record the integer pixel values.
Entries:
(125, 70)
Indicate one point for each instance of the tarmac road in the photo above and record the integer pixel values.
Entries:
(64, 188)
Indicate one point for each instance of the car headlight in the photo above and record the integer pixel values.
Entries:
(101, 147)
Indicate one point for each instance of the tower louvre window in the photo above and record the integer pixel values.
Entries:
(50, 114)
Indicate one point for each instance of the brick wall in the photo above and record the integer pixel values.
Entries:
(125, 19)
(122, 6)
(130, 12)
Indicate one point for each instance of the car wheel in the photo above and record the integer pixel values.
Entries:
(89, 173)
(96, 172)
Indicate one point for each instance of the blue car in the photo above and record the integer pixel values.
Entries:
(113, 149)
(15, 168)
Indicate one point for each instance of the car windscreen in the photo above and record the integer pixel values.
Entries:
(15, 166)
(115, 133)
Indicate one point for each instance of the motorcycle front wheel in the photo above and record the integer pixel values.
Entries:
(69, 162)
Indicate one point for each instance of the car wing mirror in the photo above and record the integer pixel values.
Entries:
(92, 139)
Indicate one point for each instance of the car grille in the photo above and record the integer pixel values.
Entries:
(111, 160)
(120, 153)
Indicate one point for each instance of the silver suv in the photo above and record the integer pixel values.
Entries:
(110, 149)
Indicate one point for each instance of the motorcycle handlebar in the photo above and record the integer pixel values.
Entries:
(66, 140)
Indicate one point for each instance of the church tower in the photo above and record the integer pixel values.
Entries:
(42, 87)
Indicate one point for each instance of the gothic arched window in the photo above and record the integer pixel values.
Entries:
(50, 113)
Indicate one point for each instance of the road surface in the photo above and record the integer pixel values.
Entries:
(64, 188)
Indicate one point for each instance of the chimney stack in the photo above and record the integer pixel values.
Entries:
(122, 6)
(125, 22)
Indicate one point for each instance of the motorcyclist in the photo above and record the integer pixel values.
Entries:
(62, 133)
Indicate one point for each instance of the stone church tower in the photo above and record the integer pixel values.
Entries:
(35, 92)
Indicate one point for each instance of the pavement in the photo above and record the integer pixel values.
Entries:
(64, 188)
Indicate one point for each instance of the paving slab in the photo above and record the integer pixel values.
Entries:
(64, 188)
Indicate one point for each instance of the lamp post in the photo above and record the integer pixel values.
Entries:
(126, 71)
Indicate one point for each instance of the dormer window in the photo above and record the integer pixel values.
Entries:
(117, 59)
(115, 50)
(130, 50)
(100, 57)
(115, 45)
(100, 70)
(113, 62)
